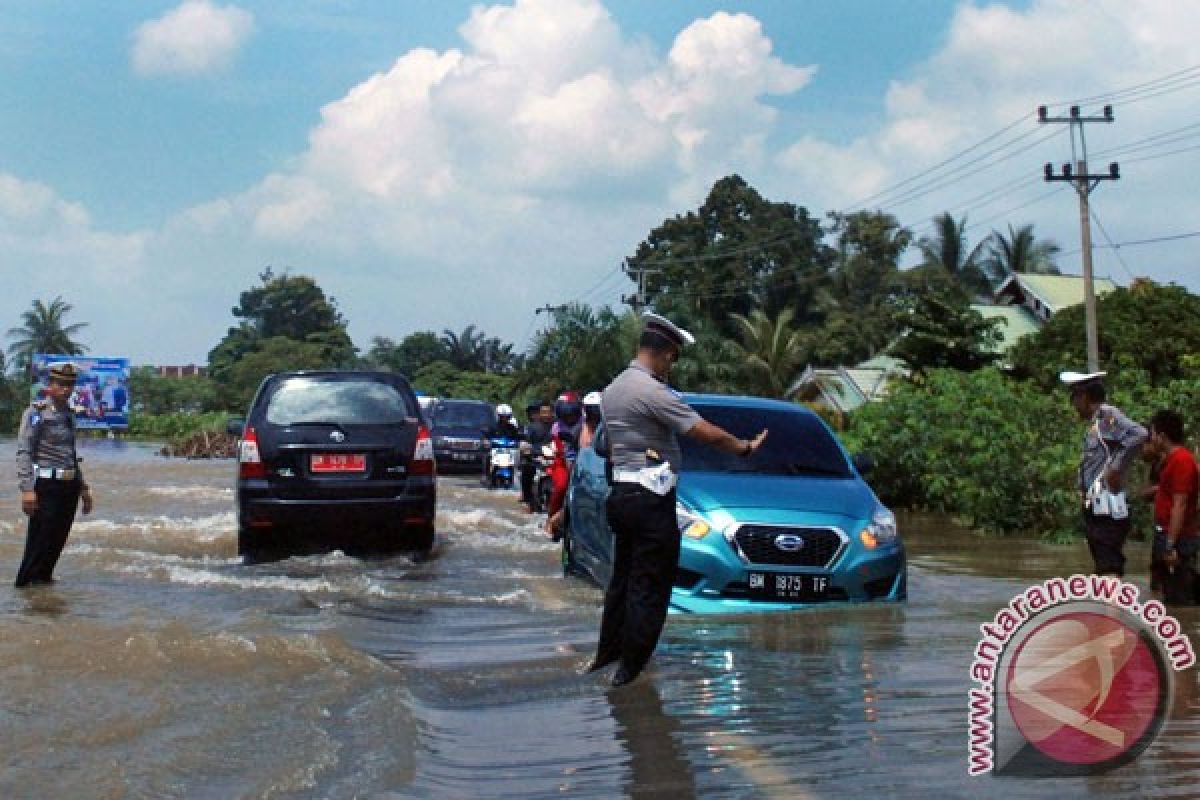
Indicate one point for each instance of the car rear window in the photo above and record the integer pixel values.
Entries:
(797, 444)
(301, 400)
(463, 415)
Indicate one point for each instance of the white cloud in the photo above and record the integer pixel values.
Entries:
(194, 38)
(997, 65)
(473, 184)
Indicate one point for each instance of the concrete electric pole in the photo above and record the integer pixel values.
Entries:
(638, 300)
(1077, 175)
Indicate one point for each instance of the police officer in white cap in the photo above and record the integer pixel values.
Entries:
(49, 476)
(642, 417)
(1111, 444)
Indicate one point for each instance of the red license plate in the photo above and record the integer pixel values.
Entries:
(338, 462)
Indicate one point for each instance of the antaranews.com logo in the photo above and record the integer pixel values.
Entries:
(1074, 677)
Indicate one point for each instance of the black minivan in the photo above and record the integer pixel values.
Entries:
(334, 459)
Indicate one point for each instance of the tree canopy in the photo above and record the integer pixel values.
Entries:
(44, 329)
(1149, 328)
(285, 323)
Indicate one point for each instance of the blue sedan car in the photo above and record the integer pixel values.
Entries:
(792, 526)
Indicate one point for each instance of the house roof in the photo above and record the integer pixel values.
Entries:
(1018, 321)
(1056, 291)
(845, 388)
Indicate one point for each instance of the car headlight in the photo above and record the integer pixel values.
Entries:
(882, 530)
(690, 525)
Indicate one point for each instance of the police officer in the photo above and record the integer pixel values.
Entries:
(49, 476)
(643, 416)
(1111, 444)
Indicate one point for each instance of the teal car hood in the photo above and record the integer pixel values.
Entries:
(713, 491)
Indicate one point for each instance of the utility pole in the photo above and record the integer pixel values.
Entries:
(638, 300)
(1084, 184)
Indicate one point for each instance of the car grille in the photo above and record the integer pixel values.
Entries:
(758, 545)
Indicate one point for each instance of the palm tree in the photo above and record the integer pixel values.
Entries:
(465, 350)
(947, 248)
(43, 331)
(1020, 253)
(772, 350)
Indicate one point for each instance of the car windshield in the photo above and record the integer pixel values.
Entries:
(797, 444)
(306, 400)
(475, 416)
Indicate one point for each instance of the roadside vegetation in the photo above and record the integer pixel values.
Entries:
(769, 289)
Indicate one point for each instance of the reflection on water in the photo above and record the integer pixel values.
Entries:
(160, 666)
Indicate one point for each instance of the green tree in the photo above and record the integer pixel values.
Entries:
(736, 253)
(285, 308)
(940, 329)
(276, 354)
(771, 350)
(443, 379)
(14, 395)
(413, 352)
(1146, 329)
(465, 349)
(1020, 252)
(858, 320)
(44, 329)
(152, 393)
(947, 248)
(582, 349)
(713, 364)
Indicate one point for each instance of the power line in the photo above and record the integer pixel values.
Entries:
(1115, 247)
(1137, 242)
(940, 164)
(1187, 74)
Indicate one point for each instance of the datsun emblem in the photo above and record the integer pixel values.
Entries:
(789, 542)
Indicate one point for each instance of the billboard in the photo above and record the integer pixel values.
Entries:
(101, 396)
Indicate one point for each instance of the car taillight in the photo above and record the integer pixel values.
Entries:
(422, 460)
(250, 463)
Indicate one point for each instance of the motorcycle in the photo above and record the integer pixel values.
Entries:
(543, 484)
(500, 465)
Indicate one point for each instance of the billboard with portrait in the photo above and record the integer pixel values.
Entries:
(101, 396)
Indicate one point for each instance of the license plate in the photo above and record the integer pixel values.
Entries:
(338, 462)
(463, 456)
(787, 587)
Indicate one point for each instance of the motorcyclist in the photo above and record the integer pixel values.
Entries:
(568, 413)
(506, 426)
(538, 433)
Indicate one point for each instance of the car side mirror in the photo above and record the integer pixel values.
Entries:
(863, 463)
(235, 426)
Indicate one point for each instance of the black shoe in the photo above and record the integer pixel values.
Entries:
(622, 676)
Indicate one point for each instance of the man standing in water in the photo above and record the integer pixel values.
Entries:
(1110, 445)
(49, 476)
(643, 417)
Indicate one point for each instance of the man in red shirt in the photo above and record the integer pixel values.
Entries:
(1176, 535)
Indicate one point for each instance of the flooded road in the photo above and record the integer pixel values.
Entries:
(159, 666)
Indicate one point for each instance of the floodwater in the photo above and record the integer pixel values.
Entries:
(161, 667)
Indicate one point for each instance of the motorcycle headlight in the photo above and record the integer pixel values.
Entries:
(690, 525)
(882, 530)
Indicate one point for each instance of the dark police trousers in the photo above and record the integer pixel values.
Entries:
(48, 529)
(645, 557)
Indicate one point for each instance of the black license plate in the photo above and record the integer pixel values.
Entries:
(788, 587)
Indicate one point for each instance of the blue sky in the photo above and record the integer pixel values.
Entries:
(436, 164)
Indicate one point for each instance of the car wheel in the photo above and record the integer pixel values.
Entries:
(420, 539)
(251, 547)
